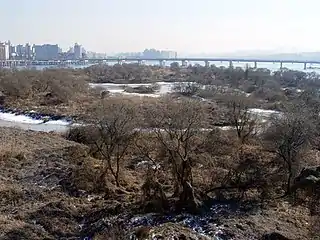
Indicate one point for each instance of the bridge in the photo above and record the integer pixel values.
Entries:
(161, 61)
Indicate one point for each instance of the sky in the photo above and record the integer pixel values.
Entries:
(186, 26)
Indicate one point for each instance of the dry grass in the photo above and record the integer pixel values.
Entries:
(113, 233)
(9, 148)
(11, 194)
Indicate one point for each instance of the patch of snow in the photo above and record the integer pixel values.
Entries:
(263, 112)
(10, 117)
(148, 163)
(28, 123)
(226, 128)
(58, 122)
(165, 87)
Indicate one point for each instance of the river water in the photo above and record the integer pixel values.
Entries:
(271, 66)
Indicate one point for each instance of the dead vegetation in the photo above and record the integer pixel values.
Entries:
(164, 156)
(49, 87)
(177, 164)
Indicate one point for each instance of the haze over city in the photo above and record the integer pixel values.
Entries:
(188, 27)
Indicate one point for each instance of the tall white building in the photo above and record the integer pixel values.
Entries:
(7, 50)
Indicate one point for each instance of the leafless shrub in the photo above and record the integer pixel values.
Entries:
(49, 87)
(249, 169)
(153, 193)
(219, 142)
(116, 124)
(241, 118)
(178, 137)
(289, 136)
(186, 89)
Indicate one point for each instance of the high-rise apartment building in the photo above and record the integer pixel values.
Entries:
(7, 50)
(168, 54)
(46, 52)
(12, 51)
(20, 52)
(2, 51)
(28, 52)
(77, 51)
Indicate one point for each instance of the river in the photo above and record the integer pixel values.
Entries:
(271, 66)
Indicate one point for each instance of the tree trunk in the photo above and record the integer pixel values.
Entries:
(117, 173)
(289, 180)
(188, 200)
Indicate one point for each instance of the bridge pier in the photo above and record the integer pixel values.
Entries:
(305, 66)
(207, 64)
(230, 64)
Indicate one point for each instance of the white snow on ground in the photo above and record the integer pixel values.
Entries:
(27, 123)
(263, 112)
(57, 122)
(116, 88)
(10, 117)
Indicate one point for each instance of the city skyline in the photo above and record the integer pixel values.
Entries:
(186, 26)
(44, 51)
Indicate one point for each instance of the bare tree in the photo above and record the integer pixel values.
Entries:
(152, 188)
(117, 134)
(187, 89)
(241, 118)
(174, 66)
(178, 127)
(288, 136)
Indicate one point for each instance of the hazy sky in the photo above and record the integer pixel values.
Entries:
(192, 26)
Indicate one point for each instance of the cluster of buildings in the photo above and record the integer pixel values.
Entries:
(153, 53)
(39, 52)
(150, 53)
(46, 52)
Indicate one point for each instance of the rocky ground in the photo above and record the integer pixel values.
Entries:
(51, 189)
